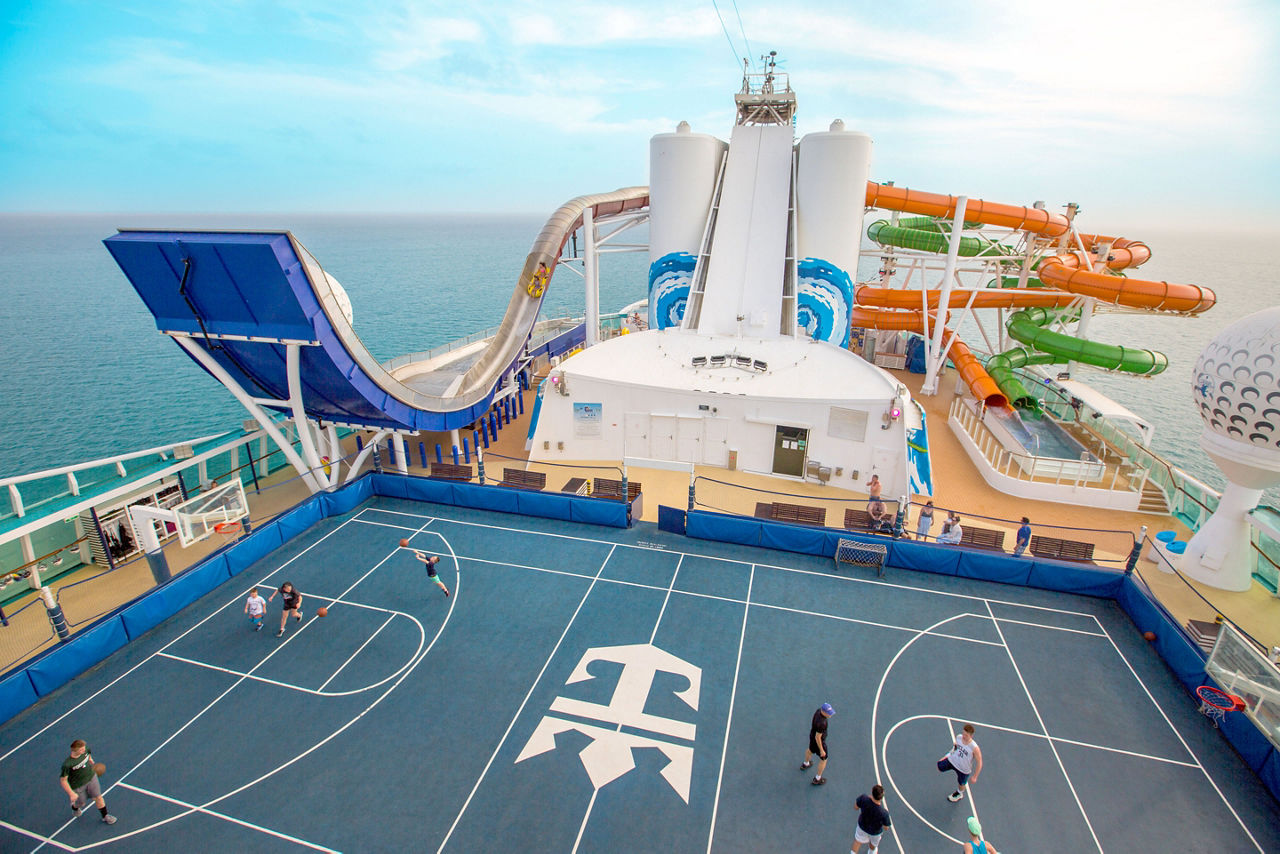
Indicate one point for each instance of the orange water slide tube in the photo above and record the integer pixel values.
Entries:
(976, 210)
(1063, 272)
(1124, 253)
(971, 370)
(909, 300)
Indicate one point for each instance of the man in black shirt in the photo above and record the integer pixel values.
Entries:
(872, 820)
(818, 742)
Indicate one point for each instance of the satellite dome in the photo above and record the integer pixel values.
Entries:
(1237, 382)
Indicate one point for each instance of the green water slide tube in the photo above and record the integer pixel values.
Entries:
(928, 235)
(1001, 367)
(1027, 327)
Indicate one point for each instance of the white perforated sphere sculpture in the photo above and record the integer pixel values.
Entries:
(1237, 390)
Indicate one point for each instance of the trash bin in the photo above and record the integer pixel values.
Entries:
(1173, 552)
(1161, 539)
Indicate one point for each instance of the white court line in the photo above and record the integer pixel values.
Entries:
(420, 657)
(193, 808)
(841, 578)
(1178, 735)
(357, 652)
(875, 754)
(755, 604)
(1036, 710)
(1042, 626)
(523, 702)
(44, 840)
(733, 696)
(242, 674)
(236, 599)
(582, 827)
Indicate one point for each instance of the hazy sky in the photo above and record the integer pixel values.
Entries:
(1139, 111)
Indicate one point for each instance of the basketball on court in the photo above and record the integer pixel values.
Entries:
(404, 542)
(99, 768)
(1149, 636)
(322, 611)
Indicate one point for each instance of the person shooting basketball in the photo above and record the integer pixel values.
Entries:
(430, 563)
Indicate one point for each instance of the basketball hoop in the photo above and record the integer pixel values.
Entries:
(1216, 703)
(228, 530)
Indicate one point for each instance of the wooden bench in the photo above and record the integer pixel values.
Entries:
(984, 538)
(802, 513)
(860, 520)
(1061, 549)
(523, 479)
(603, 487)
(449, 471)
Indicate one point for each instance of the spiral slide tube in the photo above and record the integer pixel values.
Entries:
(1062, 271)
(1001, 367)
(927, 235)
(1027, 327)
(969, 366)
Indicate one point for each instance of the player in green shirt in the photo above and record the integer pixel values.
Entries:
(80, 782)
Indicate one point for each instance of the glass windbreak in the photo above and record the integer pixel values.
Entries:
(1242, 670)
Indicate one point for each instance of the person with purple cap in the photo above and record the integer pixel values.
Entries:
(818, 742)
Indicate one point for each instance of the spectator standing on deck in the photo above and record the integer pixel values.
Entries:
(80, 781)
(965, 758)
(976, 844)
(818, 742)
(925, 521)
(430, 563)
(290, 603)
(872, 820)
(1024, 538)
(874, 487)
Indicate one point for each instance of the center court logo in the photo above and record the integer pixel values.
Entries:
(608, 756)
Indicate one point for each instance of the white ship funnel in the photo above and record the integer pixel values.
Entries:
(832, 171)
(682, 177)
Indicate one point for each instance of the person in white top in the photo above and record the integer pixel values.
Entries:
(951, 531)
(255, 606)
(965, 758)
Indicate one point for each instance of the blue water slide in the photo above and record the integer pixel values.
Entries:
(245, 297)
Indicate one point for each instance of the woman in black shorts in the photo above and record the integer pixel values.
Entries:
(291, 602)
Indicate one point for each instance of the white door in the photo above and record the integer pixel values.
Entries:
(635, 434)
(662, 437)
(689, 439)
(715, 441)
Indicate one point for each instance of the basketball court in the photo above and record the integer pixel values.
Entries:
(597, 689)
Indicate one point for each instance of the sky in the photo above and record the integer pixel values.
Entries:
(1162, 112)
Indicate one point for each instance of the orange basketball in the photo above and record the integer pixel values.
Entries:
(404, 542)
(322, 611)
(1149, 636)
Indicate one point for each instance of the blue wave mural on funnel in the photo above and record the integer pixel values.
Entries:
(825, 297)
(669, 280)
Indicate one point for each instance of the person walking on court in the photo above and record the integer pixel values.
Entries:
(976, 844)
(256, 607)
(80, 781)
(872, 820)
(965, 758)
(925, 521)
(1024, 538)
(290, 603)
(818, 743)
(431, 570)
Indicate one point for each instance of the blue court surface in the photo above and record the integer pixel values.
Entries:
(598, 689)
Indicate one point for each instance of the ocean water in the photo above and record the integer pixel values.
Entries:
(88, 376)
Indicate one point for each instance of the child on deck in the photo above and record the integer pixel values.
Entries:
(255, 606)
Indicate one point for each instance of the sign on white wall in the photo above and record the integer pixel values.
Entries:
(847, 424)
(587, 420)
